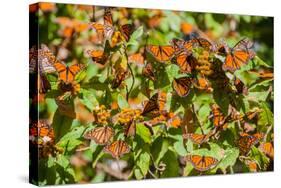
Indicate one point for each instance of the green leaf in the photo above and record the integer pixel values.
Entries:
(159, 148)
(260, 157)
(138, 174)
(265, 117)
(143, 162)
(229, 159)
(143, 132)
(61, 125)
(135, 35)
(62, 161)
(172, 168)
(122, 103)
(179, 147)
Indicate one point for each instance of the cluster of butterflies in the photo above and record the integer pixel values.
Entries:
(180, 52)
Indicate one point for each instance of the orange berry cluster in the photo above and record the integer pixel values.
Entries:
(101, 115)
(204, 65)
(127, 115)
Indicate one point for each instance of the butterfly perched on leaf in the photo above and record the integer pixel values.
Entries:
(203, 43)
(148, 71)
(202, 163)
(101, 135)
(186, 61)
(98, 56)
(182, 45)
(240, 86)
(161, 53)
(117, 148)
(67, 73)
(182, 85)
(120, 75)
(239, 55)
(155, 104)
(246, 141)
(130, 128)
(219, 120)
(197, 138)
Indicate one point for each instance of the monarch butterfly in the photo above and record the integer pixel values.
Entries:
(240, 86)
(136, 58)
(238, 56)
(161, 53)
(126, 31)
(100, 30)
(130, 128)
(117, 149)
(267, 148)
(39, 60)
(120, 76)
(202, 84)
(98, 56)
(219, 120)
(202, 163)
(246, 141)
(186, 61)
(107, 18)
(155, 104)
(151, 104)
(149, 71)
(101, 135)
(41, 132)
(182, 85)
(204, 43)
(181, 45)
(67, 73)
(197, 138)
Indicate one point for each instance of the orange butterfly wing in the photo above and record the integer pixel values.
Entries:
(197, 138)
(182, 86)
(246, 141)
(218, 117)
(130, 128)
(161, 53)
(119, 78)
(202, 163)
(100, 135)
(151, 105)
(100, 30)
(126, 31)
(98, 56)
(185, 61)
(117, 149)
(267, 148)
(204, 43)
(108, 16)
(148, 71)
